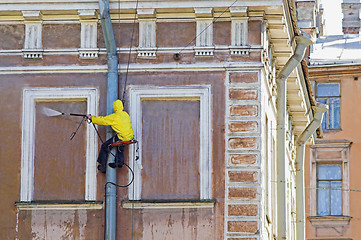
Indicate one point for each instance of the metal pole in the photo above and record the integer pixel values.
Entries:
(112, 95)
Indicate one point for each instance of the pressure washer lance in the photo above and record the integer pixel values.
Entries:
(53, 113)
(85, 118)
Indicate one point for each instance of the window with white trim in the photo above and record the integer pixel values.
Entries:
(329, 195)
(42, 147)
(329, 94)
(173, 127)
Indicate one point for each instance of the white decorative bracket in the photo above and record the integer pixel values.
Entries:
(239, 31)
(147, 33)
(33, 35)
(88, 39)
(147, 39)
(204, 40)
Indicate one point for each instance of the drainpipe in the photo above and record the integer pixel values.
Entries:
(318, 111)
(110, 217)
(291, 64)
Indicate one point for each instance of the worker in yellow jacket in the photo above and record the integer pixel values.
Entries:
(120, 123)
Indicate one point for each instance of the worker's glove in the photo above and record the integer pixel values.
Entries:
(89, 118)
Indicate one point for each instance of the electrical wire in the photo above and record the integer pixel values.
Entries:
(340, 189)
(130, 52)
(123, 186)
(214, 20)
(332, 188)
(130, 169)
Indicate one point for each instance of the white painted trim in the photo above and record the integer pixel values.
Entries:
(132, 68)
(9, 5)
(137, 93)
(30, 96)
(171, 50)
(59, 206)
(167, 205)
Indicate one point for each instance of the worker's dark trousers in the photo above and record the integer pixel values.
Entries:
(105, 149)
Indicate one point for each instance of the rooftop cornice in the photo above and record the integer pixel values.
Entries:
(10, 5)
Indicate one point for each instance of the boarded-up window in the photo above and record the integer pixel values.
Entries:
(170, 152)
(59, 163)
(172, 125)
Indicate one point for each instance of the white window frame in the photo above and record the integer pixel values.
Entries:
(344, 161)
(30, 97)
(327, 113)
(203, 93)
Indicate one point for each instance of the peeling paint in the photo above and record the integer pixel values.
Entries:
(53, 224)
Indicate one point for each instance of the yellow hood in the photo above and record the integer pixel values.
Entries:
(118, 106)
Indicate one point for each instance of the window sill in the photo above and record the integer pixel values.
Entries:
(161, 204)
(332, 130)
(58, 205)
(321, 221)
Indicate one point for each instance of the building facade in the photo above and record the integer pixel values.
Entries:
(200, 82)
(332, 180)
(332, 184)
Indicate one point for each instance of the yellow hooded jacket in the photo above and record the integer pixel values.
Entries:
(119, 121)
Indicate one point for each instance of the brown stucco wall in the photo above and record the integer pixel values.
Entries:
(176, 34)
(58, 36)
(208, 223)
(148, 224)
(222, 33)
(12, 36)
(254, 32)
(11, 116)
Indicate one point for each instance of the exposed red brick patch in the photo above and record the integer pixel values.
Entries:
(243, 94)
(243, 176)
(245, 159)
(239, 143)
(242, 193)
(243, 77)
(242, 210)
(250, 126)
(244, 110)
(242, 226)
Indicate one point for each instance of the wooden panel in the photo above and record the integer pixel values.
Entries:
(170, 148)
(59, 164)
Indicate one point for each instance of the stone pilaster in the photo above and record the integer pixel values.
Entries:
(242, 204)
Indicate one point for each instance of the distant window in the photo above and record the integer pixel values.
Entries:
(329, 94)
(329, 184)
